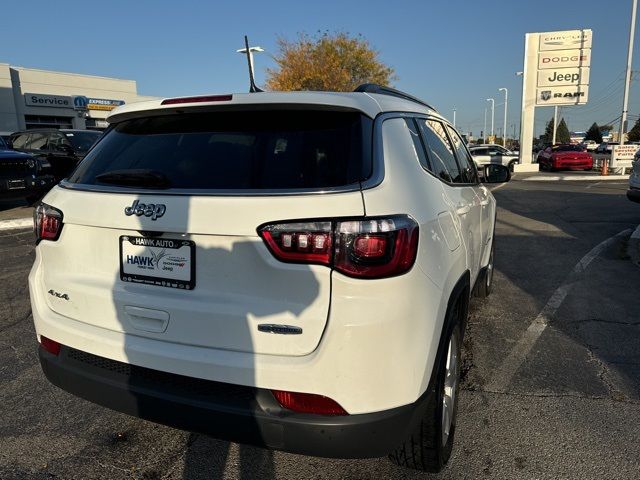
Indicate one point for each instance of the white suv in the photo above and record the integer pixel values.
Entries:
(290, 270)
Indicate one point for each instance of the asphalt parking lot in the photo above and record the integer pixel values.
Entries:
(551, 380)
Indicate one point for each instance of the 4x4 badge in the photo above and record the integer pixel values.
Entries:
(153, 210)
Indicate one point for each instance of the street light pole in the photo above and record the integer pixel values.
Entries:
(493, 106)
(454, 117)
(484, 132)
(251, 50)
(625, 100)
(555, 125)
(506, 102)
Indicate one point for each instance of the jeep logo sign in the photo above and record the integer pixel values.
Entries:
(147, 209)
(563, 76)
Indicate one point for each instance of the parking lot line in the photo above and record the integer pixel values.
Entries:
(505, 373)
(16, 224)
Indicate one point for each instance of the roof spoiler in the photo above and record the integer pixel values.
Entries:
(381, 90)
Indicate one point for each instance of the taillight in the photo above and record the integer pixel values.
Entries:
(49, 345)
(302, 242)
(47, 222)
(308, 403)
(361, 248)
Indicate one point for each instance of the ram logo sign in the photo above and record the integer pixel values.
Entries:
(562, 96)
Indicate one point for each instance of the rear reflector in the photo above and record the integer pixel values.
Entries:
(202, 99)
(49, 345)
(308, 403)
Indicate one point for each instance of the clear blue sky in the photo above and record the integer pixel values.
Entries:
(451, 53)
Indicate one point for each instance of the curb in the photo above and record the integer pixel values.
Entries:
(633, 247)
(581, 178)
(16, 224)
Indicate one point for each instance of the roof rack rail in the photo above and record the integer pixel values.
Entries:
(379, 89)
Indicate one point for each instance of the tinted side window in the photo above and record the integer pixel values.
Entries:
(19, 141)
(464, 159)
(440, 151)
(479, 151)
(417, 143)
(56, 142)
(38, 141)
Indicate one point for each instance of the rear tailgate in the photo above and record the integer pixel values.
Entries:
(236, 283)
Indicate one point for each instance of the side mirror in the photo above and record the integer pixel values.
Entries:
(493, 173)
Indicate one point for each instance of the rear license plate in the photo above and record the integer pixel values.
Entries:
(158, 261)
(15, 184)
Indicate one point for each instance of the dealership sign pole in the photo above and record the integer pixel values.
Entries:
(556, 72)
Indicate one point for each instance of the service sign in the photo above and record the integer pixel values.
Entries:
(624, 152)
(40, 100)
(564, 59)
(565, 40)
(563, 76)
(549, 96)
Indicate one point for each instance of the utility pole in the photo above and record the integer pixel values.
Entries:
(555, 124)
(484, 132)
(493, 106)
(454, 117)
(625, 100)
(504, 129)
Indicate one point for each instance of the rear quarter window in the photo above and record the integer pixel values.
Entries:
(239, 150)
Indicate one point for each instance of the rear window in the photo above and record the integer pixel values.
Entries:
(238, 150)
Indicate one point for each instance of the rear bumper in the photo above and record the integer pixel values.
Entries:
(572, 164)
(25, 186)
(229, 412)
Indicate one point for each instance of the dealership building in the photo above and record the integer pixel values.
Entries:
(32, 98)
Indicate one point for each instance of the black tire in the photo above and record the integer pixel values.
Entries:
(484, 284)
(427, 448)
(511, 165)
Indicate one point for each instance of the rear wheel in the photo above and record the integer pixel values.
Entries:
(429, 446)
(484, 283)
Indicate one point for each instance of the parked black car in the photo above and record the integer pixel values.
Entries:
(63, 149)
(22, 175)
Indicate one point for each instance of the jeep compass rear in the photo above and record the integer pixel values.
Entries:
(272, 269)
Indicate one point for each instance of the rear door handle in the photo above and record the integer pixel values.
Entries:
(463, 209)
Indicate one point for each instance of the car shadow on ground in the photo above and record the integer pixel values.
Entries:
(588, 347)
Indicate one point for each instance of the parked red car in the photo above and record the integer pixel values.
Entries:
(570, 157)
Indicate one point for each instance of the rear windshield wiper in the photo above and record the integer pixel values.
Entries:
(142, 178)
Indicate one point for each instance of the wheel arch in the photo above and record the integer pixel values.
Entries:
(461, 291)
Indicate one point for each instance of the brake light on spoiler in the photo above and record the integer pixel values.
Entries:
(376, 247)
(199, 99)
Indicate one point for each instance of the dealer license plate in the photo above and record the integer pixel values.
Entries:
(16, 184)
(158, 261)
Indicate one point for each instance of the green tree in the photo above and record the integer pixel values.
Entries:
(333, 62)
(562, 133)
(594, 133)
(634, 134)
(547, 136)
